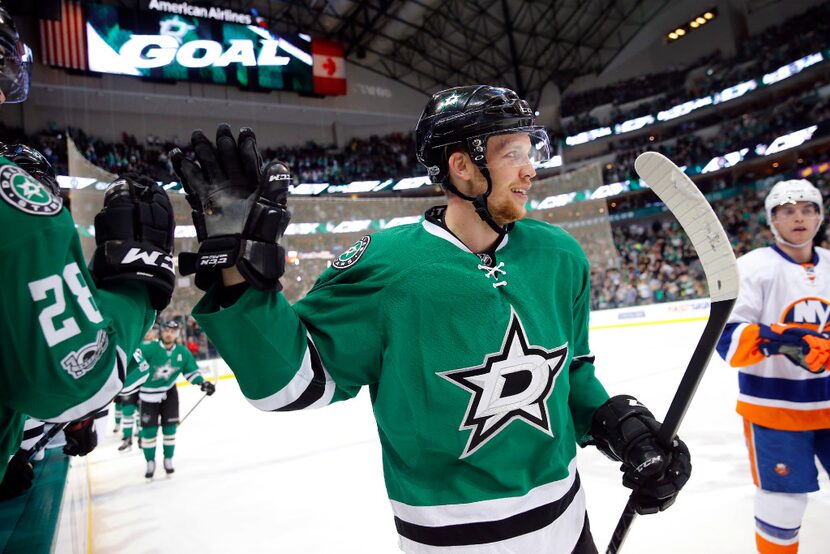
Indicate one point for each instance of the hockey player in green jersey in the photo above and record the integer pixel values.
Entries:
(159, 398)
(128, 399)
(67, 329)
(470, 330)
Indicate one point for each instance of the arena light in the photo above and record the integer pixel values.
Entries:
(692, 24)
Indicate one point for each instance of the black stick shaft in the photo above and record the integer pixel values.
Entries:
(193, 408)
(44, 440)
(718, 316)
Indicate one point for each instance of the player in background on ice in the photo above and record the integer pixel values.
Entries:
(128, 399)
(470, 330)
(159, 397)
(777, 338)
(67, 328)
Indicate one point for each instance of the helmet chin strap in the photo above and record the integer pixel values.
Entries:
(780, 239)
(480, 202)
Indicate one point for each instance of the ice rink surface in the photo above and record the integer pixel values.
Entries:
(310, 482)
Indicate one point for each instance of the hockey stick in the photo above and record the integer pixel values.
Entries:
(196, 404)
(44, 440)
(193, 408)
(682, 197)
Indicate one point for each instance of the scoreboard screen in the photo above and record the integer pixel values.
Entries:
(186, 48)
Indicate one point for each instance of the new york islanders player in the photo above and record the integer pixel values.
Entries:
(470, 330)
(64, 354)
(775, 337)
(159, 398)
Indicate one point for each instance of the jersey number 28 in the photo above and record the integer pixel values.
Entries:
(65, 328)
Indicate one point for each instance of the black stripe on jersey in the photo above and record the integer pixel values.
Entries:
(489, 531)
(33, 432)
(315, 389)
(579, 361)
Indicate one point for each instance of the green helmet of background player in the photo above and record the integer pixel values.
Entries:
(465, 118)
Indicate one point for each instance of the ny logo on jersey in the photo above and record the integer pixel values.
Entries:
(812, 310)
(513, 383)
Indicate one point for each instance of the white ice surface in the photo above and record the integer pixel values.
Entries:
(311, 483)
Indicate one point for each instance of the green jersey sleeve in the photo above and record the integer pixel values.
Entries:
(587, 393)
(65, 341)
(318, 351)
(138, 370)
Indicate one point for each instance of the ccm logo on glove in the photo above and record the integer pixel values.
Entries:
(214, 260)
(148, 257)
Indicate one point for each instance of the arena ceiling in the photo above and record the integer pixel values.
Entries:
(429, 45)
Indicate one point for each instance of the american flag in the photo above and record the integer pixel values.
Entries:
(63, 43)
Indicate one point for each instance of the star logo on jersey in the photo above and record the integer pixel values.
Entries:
(511, 384)
(163, 371)
(22, 191)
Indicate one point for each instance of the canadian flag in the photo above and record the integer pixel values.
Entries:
(329, 68)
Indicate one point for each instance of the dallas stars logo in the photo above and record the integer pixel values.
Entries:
(163, 371)
(450, 100)
(514, 383)
(23, 192)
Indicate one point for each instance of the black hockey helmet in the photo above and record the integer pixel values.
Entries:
(15, 61)
(461, 115)
(467, 117)
(172, 325)
(32, 162)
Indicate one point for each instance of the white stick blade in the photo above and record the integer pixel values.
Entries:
(695, 215)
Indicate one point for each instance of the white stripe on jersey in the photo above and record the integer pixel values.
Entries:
(773, 403)
(486, 510)
(564, 532)
(296, 387)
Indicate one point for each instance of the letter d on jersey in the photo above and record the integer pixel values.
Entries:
(513, 383)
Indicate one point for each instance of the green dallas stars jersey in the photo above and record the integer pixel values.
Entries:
(165, 367)
(480, 376)
(64, 341)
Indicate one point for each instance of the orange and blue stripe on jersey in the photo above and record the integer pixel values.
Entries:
(738, 344)
(799, 403)
(786, 404)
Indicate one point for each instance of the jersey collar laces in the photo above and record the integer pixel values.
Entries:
(494, 273)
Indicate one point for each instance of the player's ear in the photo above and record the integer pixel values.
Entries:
(461, 165)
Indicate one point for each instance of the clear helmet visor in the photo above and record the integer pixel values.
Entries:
(16, 74)
(516, 147)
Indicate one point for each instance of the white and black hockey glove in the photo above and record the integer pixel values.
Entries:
(239, 209)
(81, 437)
(626, 431)
(134, 234)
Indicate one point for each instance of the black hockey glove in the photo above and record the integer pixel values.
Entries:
(81, 438)
(134, 234)
(239, 209)
(208, 388)
(18, 478)
(626, 431)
